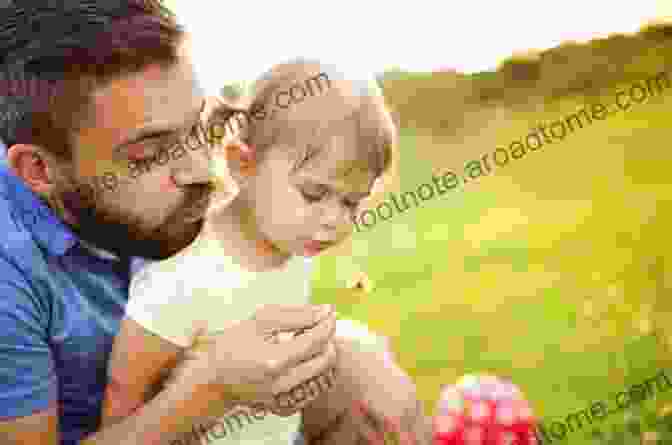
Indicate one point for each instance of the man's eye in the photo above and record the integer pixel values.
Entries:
(352, 204)
(141, 152)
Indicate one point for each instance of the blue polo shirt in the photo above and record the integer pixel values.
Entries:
(61, 302)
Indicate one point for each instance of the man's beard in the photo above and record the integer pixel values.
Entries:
(124, 235)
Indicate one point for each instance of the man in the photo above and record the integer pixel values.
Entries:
(81, 83)
(91, 93)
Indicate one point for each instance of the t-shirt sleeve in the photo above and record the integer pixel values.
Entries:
(159, 301)
(28, 382)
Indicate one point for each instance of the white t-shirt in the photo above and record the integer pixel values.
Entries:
(203, 290)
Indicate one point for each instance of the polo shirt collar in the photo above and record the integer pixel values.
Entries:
(47, 229)
(97, 251)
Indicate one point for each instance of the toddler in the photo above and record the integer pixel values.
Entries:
(304, 155)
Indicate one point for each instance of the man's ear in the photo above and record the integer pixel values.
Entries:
(33, 166)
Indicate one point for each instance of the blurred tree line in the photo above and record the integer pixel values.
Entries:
(440, 101)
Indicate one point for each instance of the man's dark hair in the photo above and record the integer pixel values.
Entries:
(54, 53)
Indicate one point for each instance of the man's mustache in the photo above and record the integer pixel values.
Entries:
(124, 235)
(198, 197)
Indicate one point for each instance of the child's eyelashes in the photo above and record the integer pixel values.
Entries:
(311, 198)
(314, 193)
(315, 197)
(351, 204)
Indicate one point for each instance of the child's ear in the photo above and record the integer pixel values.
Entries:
(247, 152)
(241, 158)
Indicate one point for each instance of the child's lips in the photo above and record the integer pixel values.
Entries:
(314, 247)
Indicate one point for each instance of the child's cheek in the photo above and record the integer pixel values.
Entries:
(305, 213)
(302, 211)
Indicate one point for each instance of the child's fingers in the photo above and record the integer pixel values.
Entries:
(399, 436)
(408, 438)
(367, 424)
(393, 431)
(389, 433)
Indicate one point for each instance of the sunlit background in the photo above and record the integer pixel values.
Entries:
(238, 40)
(555, 270)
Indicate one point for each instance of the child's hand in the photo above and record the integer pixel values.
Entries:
(379, 430)
(365, 371)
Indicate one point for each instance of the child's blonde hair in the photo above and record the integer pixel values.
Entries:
(261, 121)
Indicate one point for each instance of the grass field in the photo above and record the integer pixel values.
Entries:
(552, 270)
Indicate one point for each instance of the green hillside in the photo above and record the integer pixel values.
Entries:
(554, 270)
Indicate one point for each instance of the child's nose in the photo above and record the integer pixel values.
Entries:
(335, 215)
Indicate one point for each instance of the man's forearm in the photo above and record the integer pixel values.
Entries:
(166, 418)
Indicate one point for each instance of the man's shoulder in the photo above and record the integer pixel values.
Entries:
(22, 262)
(15, 222)
(18, 250)
(20, 298)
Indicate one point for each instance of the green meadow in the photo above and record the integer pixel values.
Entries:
(553, 270)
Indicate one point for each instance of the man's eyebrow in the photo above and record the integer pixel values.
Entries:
(150, 132)
(144, 134)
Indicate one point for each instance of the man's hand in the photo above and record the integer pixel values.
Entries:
(246, 366)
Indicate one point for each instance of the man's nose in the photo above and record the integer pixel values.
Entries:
(195, 167)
